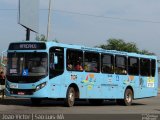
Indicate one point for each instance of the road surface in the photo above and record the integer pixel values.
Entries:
(149, 107)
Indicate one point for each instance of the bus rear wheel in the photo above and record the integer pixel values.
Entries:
(70, 97)
(128, 97)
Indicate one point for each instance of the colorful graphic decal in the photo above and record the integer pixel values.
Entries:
(150, 82)
(89, 81)
(129, 81)
(131, 77)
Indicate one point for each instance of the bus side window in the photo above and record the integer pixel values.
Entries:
(145, 67)
(74, 60)
(51, 64)
(153, 67)
(133, 66)
(120, 65)
(107, 63)
(92, 62)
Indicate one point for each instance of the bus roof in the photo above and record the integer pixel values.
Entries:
(81, 47)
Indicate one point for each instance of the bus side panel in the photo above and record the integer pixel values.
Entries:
(123, 82)
(111, 86)
(135, 85)
(89, 84)
(146, 87)
(57, 87)
(75, 79)
(92, 83)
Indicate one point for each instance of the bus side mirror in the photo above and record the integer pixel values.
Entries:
(55, 60)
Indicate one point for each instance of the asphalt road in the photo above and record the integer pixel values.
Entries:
(148, 106)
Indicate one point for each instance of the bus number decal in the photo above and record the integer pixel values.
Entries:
(109, 79)
(117, 78)
(150, 82)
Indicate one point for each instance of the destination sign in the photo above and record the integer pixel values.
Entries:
(27, 46)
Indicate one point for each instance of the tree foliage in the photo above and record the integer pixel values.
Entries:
(44, 39)
(121, 45)
(41, 38)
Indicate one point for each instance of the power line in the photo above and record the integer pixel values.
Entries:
(8, 9)
(96, 16)
(107, 17)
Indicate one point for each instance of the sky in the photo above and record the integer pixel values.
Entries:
(88, 22)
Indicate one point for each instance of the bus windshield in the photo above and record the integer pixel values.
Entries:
(27, 64)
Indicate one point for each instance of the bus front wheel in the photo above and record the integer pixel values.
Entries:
(70, 97)
(128, 97)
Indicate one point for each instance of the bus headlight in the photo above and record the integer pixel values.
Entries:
(40, 86)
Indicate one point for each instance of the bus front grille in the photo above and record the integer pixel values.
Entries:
(22, 91)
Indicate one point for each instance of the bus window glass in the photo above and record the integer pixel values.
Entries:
(27, 64)
(92, 62)
(153, 67)
(74, 60)
(14, 62)
(145, 67)
(56, 69)
(133, 66)
(120, 65)
(107, 63)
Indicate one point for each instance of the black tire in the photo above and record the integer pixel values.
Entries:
(70, 97)
(96, 101)
(128, 97)
(36, 101)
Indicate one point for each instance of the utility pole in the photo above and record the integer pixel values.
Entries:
(49, 18)
(27, 34)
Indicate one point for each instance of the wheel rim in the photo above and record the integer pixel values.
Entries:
(129, 98)
(71, 98)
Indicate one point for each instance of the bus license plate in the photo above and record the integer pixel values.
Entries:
(21, 93)
(13, 85)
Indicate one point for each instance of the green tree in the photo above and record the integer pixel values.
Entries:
(41, 38)
(121, 45)
(55, 40)
(44, 39)
(146, 52)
